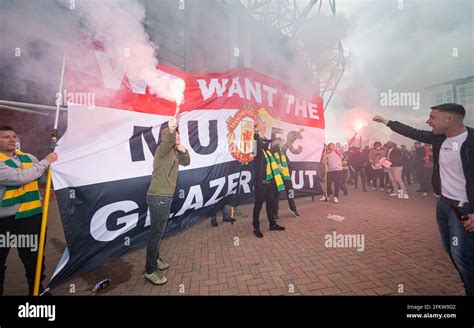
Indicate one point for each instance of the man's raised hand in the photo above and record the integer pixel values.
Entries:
(172, 124)
(379, 119)
(181, 149)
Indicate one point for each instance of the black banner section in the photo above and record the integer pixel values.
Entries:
(299, 310)
(103, 221)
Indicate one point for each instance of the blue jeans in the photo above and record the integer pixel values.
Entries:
(160, 207)
(456, 241)
(225, 213)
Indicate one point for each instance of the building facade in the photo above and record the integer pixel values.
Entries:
(460, 91)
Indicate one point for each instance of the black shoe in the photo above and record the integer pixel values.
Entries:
(226, 220)
(257, 233)
(276, 227)
(214, 222)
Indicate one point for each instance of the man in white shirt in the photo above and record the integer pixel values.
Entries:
(453, 179)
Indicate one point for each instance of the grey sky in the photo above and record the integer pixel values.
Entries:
(404, 49)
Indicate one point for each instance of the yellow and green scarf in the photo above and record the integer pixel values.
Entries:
(280, 158)
(28, 195)
(273, 167)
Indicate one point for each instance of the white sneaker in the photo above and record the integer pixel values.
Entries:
(323, 199)
(373, 188)
(335, 200)
(405, 196)
(393, 194)
(400, 193)
(424, 194)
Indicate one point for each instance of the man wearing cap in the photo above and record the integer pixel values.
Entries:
(453, 179)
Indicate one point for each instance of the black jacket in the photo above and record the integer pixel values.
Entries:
(358, 160)
(467, 154)
(419, 154)
(406, 157)
(260, 161)
(395, 157)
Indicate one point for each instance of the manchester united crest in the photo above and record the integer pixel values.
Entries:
(240, 136)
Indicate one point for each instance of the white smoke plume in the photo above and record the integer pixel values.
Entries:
(42, 31)
(119, 26)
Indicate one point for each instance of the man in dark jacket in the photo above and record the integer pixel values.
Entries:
(453, 179)
(268, 182)
(358, 160)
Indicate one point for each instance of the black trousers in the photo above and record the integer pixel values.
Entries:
(335, 177)
(290, 195)
(387, 180)
(369, 174)
(418, 170)
(406, 173)
(19, 228)
(352, 176)
(264, 193)
(345, 173)
(379, 175)
(360, 172)
(425, 179)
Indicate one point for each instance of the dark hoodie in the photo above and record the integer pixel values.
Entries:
(260, 162)
(395, 156)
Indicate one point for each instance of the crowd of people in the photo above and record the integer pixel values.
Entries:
(387, 168)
